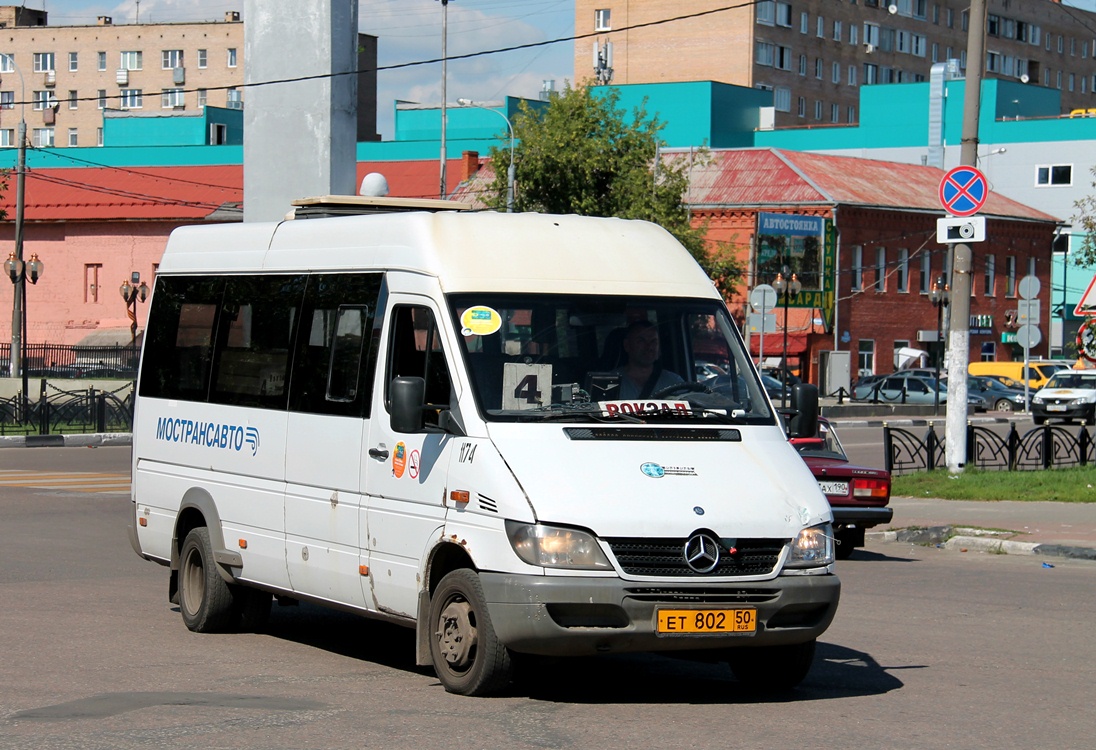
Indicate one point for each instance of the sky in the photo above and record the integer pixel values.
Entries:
(407, 31)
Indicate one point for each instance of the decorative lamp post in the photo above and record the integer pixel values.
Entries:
(787, 290)
(133, 291)
(939, 296)
(511, 176)
(19, 272)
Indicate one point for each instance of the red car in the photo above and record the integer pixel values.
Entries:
(858, 495)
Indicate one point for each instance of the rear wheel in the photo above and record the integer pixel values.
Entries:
(466, 653)
(1003, 404)
(772, 667)
(205, 600)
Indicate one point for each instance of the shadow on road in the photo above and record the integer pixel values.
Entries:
(838, 672)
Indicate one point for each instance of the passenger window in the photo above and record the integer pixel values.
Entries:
(415, 350)
(254, 332)
(336, 347)
(178, 350)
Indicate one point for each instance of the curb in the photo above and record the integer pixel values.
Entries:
(951, 538)
(67, 441)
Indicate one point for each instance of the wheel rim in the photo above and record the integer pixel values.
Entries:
(1004, 405)
(193, 582)
(457, 635)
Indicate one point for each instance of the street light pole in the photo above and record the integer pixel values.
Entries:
(511, 174)
(787, 289)
(939, 296)
(19, 294)
(18, 272)
(133, 290)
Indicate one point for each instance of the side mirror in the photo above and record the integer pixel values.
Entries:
(406, 396)
(805, 404)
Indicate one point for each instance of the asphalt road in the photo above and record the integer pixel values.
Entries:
(931, 648)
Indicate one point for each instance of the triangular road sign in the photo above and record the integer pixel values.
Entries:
(1087, 303)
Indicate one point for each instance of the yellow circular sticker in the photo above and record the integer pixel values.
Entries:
(480, 321)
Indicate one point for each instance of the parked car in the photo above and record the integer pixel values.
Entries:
(897, 389)
(1068, 395)
(998, 396)
(858, 495)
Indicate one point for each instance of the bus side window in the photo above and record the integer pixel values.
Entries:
(334, 357)
(179, 338)
(415, 350)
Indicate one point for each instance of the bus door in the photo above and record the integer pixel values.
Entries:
(330, 388)
(406, 481)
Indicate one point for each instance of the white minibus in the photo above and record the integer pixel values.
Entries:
(483, 426)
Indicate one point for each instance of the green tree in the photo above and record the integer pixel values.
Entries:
(582, 155)
(1086, 219)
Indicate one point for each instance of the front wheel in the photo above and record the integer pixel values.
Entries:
(466, 653)
(1003, 405)
(205, 600)
(772, 667)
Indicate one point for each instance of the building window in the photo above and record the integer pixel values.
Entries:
(802, 65)
(989, 351)
(1057, 174)
(171, 59)
(837, 31)
(171, 98)
(783, 59)
(835, 72)
(7, 99)
(801, 107)
(903, 270)
(865, 357)
(233, 100)
(130, 60)
(1010, 276)
(74, 62)
(73, 98)
(603, 19)
(98, 136)
(92, 271)
(764, 52)
(43, 62)
(820, 28)
(818, 110)
(782, 99)
(202, 96)
(857, 267)
(72, 137)
(852, 75)
(926, 273)
(852, 114)
(880, 269)
(7, 137)
(765, 12)
(990, 280)
(203, 58)
(871, 74)
(835, 113)
(7, 63)
(818, 68)
(804, 22)
(101, 61)
(44, 100)
(784, 15)
(232, 57)
(43, 138)
(102, 96)
(854, 33)
(131, 99)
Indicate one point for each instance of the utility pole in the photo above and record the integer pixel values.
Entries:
(955, 432)
(444, 65)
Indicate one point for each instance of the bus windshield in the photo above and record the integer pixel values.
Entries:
(588, 358)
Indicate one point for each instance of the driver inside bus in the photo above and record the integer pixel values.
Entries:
(642, 375)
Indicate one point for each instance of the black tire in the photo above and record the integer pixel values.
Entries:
(467, 655)
(205, 600)
(843, 549)
(1003, 404)
(772, 668)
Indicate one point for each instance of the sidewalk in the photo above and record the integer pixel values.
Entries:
(1033, 528)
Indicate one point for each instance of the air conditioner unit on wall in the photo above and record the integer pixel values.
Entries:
(869, 48)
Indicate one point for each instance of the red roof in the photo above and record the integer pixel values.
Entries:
(773, 177)
(181, 193)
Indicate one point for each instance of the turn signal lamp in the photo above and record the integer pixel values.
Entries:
(875, 489)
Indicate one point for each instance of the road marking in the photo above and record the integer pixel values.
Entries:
(72, 481)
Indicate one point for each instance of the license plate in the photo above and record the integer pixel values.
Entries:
(1056, 407)
(692, 621)
(834, 488)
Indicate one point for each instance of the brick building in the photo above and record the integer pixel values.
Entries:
(815, 55)
(63, 78)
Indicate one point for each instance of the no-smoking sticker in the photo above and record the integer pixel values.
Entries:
(413, 464)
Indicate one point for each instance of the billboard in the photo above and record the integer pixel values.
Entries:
(805, 244)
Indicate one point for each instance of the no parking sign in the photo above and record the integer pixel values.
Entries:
(963, 191)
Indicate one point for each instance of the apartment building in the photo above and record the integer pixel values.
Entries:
(815, 55)
(61, 79)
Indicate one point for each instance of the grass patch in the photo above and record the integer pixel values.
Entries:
(1072, 485)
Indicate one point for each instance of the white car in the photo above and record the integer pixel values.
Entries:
(1068, 395)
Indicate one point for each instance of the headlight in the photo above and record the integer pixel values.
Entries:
(812, 548)
(1037, 400)
(555, 547)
